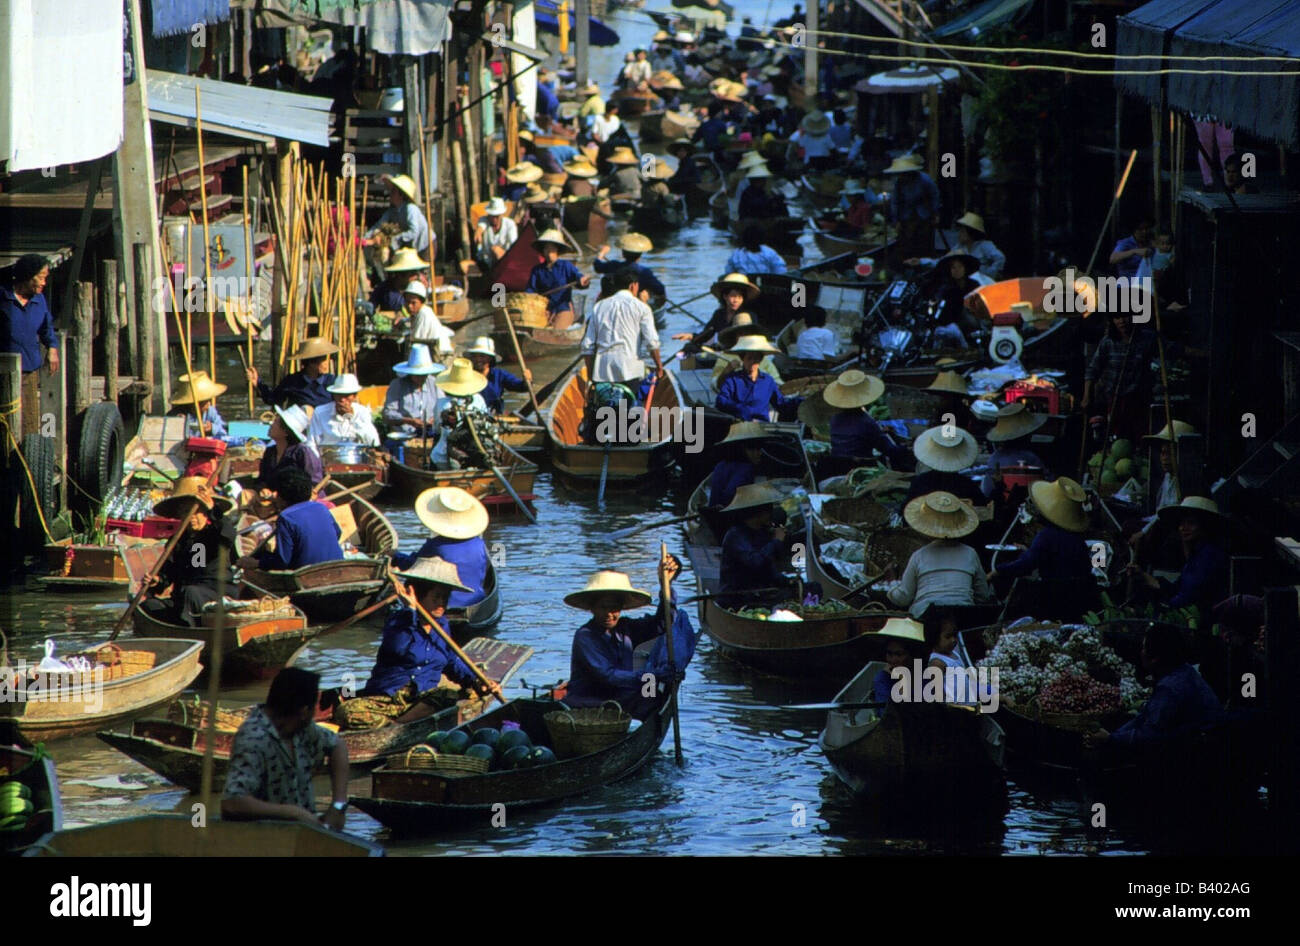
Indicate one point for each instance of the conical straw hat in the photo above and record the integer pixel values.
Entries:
(451, 512)
(753, 495)
(743, 324)
(735, 281)
(608, 583)
(314, 347)
(946, 449)
(434, 571)
(403, 183)
(752, 159)
(940, 515)
(204, 387)
(1015, 421)
(622, 155)
(525, 172)
(901, 165)
(949, 381)
(189, 488)
(974, 221)
(853, 389)
(1181, 429)
(580, 167)
(635, 243)
(405, 260)
(745, 431)
(1204, 508)
(1060, 503)
(753, 343)
(462, 380)
(555, 238)
(904, 629)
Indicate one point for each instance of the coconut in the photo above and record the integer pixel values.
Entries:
(1121, 449)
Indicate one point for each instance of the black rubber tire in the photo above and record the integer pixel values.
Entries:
(38, 451)
(100, 452)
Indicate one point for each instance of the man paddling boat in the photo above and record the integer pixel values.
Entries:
(193, 573)
(457, 521)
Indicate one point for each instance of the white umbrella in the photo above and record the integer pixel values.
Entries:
(906, 80)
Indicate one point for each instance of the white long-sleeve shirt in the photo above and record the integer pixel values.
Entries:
(815, 343)
(943, 572)
(329, 426)
(615, 329)
(426, 327)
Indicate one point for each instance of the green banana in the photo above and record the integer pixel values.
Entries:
(12, 805)
(15, 788)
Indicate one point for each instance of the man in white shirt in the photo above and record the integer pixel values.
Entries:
(816, 342)
(602, 126)
(495, 234)
(616, 326)
(426, 328)
(344, 421)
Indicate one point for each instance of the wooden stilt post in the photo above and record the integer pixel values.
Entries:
(109, 325)
(81, 355)
(142, 267)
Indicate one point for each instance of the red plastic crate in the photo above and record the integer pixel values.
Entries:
(158, 527)
(1051, 396)
(124, 526)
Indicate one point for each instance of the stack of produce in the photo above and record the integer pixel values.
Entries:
(1068, 669)
(503, 750)
(1188, 616)
(823, 609)
(1117, 467)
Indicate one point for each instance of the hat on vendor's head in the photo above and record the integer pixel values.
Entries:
(495, 207)
(815, 123)
(623, 155)
(451, 512)
(434, 571)
(753, 345)
(946, 448)
(754, 495)
(553, 238)
(1181, 429)
(416, 288)
(313, 348)
(635, 243)
(186, 491)
(973, 221)
(735, 281)
(745, 431)
(1061, 503)
(948, 382)
(904, 629)
(419, 362)
(591, 88)
(742, 325)
(483, 345)
(608, 583)
(940, 515)
(405, 260)
(462, 380)
(295, 420)
(203, 387)
(905, 163)
(663, 79)
(853, 388)
(536, 194)
(685, 144)
(344, 385)
(1015, 421)
(525, 172)
(1201, 508)
(657, 168)
(402, 182)
(751, 159)
(970, 263)
(579, 166)
(815, 412)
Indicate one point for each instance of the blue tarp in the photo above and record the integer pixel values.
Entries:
(547, 22)
(171, 17)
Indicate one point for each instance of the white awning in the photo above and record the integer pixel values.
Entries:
(239, 110)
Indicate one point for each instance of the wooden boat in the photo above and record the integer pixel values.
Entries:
(628, 465)
(833, 244)
(632, 102)
(778, 232)
(77, 566)
(576, 212)
(175, 836)
(40, 777)
(935, 750)
(252, 648)
(348, 465)
(539, 342)
(663, 125)
(511, 270)
(824, 191)
(468, 623)
(328, 591)
(94, 702)
(408, 481)
(173, 744)
(412, 802)
(663, 218)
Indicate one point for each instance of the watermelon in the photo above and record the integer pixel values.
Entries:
(515, 758)
(480, 751)
(456, 743)
(436, 738)
(541, 756)
(487, 736)
(512, 738)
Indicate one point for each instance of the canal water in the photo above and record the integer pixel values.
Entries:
(754, 780)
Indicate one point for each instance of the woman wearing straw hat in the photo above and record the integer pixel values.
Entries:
(483, 356)
(193, 573)
(602, 665)
(913, 206)
(457, 521)
(946, 571)
(624, 179)
(742, 452)
(855, 435)
(593, 104)
(757, 202)
(519, 177)
(941, 453)
(632, 245)
(413, 658)
(750, 394)
(554, 278)
(289, 448)
(754, 257)
(973, 241)
(207, 391)
(426, 328)
(404, 212)
(581, 180)
(494, 235)
(345, 420)
(399, 272)
(1203, 581)
(411, 401)
(1010, 435)
(812, 143)
(754, 550)
(305, 387)
(905, 642)
(462, 401)
(733, 292)
(948, 286)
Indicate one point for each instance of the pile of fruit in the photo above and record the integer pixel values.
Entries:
(826, 608)
(1187, 616)
(1068, 669)
(1118, 466)
(16, 807)
(503, 750)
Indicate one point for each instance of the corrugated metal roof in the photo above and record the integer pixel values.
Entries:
(240, 110)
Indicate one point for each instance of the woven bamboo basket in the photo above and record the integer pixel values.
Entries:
(117, 663)
(527, 309)
(583, 731)
(889, 546)
(196, 714)
(801, 387)
(251, 611)
(866, 514)
(1070, 722)
(424, 757)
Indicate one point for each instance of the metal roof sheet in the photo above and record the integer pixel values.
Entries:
(240, 110)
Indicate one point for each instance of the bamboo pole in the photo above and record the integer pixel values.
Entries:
(207, 244)
(462, 208)
(428, 212)
(248, 290)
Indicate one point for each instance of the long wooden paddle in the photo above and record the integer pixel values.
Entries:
(147, 581)
(666, 596)
(685, 312)
(549, 389)
(501, 478)
(523, 366)
(621, 534)
(407, 595)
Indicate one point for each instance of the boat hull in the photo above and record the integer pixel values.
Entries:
(253, 651)
(174, 836)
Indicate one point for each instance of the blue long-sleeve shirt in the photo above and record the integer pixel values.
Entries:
(305, 534)
(1055, 553)
(500, 380)
(601, 665)
(856, 434)
(1180, 701)
(544, 278)
(470, 556)
(644, 277)
(709, 132)
(407, 652)
(297, 390)
(1204, 579)
(882, 686)
(728, 476)
(748, 560)
(915, 198)
(25, 328)
(547, 101)
(750, 400)
(766, 260)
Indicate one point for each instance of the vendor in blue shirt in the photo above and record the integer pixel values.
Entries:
(602, 664)
(854, 432)
(1204, 579)
(457, 521)
(754, 550)
(306, 386)
(483, 356)
(1181, 701)
(26, 324)
(748, 393)
(1129, 252)
(413, 657)
(905, 642)
(549, 275)
(306, 533)
(742, 453)
(548, 103)
(632, 245)
(207, 391)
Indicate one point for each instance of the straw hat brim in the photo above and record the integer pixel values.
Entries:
(464, 387)
(761, 347)
(622, 156)
(450, 524)
(427, 580)
(972, 221)
(1169, 515)
(814, 412)
(945, 459)
(403, 184)
(748, 435)
(900, 166)
(903, 629)
(207, 391)
(408, 265)
(1056, 508)
(1014, 428)
(752, 499)
(635, 243)
(870, 391)
(314, 348)
(926, 521)
(524, 174)
(945, 383)
(720, 288)
(631, 599)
